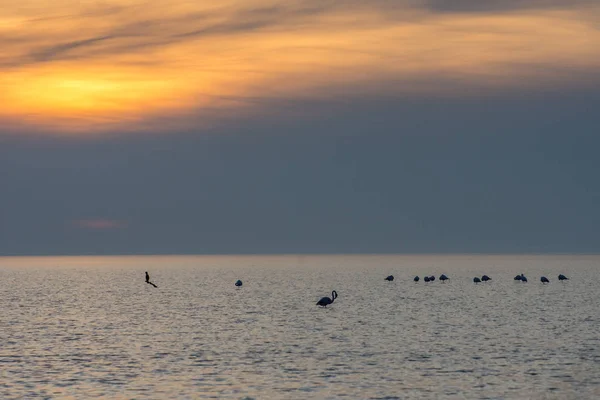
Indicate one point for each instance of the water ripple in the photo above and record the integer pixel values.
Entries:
(67, 336)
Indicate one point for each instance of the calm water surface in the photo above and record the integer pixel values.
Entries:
(85, 327)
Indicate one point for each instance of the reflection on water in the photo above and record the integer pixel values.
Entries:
(86, 327)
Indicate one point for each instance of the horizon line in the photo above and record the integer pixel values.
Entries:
(297, 254)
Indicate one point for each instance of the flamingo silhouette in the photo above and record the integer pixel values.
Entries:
(325, 301)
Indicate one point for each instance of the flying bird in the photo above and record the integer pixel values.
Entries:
(148, 280)
(326, 300)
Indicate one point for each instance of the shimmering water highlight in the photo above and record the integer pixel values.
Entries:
(85, 327)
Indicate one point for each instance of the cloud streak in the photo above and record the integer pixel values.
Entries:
(54, 52)
(474, 6)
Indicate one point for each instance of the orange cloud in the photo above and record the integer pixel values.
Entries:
(78, 68)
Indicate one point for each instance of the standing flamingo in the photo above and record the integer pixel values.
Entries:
(325, 301)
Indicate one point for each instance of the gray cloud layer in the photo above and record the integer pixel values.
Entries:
(490, 174)
(512, 171)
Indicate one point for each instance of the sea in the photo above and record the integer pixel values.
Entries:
(91, 327)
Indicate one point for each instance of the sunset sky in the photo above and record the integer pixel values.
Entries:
(299, 126)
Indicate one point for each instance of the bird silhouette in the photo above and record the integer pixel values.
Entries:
(148, 280)
(443, 277)
(416, 279)
(238, 283)
(326, 300)
(485, 278)
(543, 279)
(476, 280)
(561, 277)
(390, 278)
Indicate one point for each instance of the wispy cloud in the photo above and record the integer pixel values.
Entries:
(504, 5)
(122, 62)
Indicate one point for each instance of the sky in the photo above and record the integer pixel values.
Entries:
(236, 127)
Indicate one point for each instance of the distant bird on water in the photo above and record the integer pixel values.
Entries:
(390, 278)
(476, 280)
(148, 280)
(485, 278)
(416, 279)
(325, 301)
(443, 278)
(561, 277)
(543, 279)
(426, 279)
(238, 283)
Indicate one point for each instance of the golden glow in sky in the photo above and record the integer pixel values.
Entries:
(81, 66)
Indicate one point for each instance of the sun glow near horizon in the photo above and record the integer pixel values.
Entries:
(112, 64)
